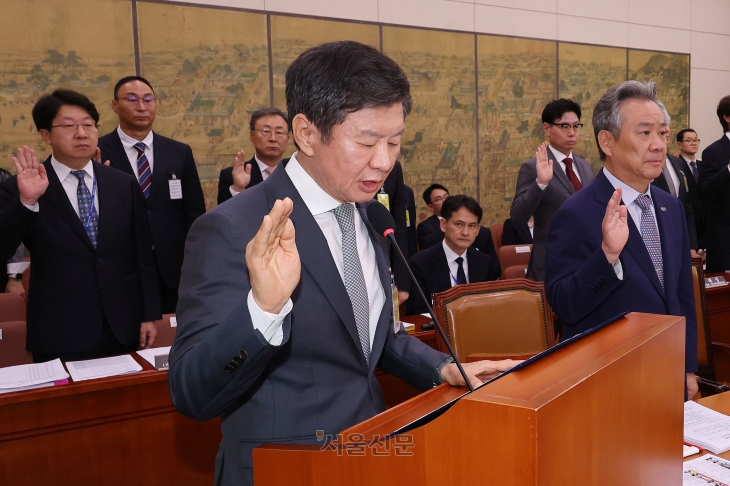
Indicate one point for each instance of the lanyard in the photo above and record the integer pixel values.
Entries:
(91, 206)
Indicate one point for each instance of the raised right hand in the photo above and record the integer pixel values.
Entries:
(32, 177)
(615, 227)
(241, 172)
(274, 267)
(543, 165)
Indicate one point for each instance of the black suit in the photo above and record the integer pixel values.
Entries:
(430, 235)
(169, 219)
(432, 273)
(514, 233)
(699, 207)
(411, 223)
(662, 183)
(714, 188)
(75, 290)
(394, 188)
(225, 180)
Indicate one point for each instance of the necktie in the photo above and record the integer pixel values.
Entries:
(650, 234)
(695, 173)
(571, 175)
(460, 275)
(91, 224)
(668, 177)
(144, 174)
(269, 170)
(354, 279)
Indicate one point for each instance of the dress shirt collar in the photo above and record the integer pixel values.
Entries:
(316, 199)
(63, 171)
(727, 134)
(559, 156)
(629, 194)
(128, 142)
(689, 160)
(451, 255)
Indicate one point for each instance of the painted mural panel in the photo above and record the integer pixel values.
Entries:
(209, 68)
(51, 45)
(671, 74)
(585, 73)
(439, 144)
(516, 80)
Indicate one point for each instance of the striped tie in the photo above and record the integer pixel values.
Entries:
(144, 174)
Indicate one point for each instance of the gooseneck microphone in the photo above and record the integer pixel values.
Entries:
(383, 223)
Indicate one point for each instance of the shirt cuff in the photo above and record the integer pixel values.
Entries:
(267, 323)
(541, 186)
(618, 269)
(233, 193)
(35, 208)
(17, 267)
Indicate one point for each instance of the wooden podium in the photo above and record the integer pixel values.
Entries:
(605, 410)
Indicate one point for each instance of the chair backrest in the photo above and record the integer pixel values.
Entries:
(511, 255)
(515, 271)
(165, 332)
(497, 230)
(504, 317)
(705, 363)
(12, 344)
(12, 307)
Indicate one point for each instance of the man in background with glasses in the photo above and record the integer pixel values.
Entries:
(166, 173)
(544, 183)
(689, 144)
(270, 137)
(93, 291)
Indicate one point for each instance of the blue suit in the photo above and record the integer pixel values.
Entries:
(317, 379)
(582, 286)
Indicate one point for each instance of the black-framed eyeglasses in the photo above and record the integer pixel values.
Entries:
(694, 140)
(280, 134)
(439, 199)
(134, 99)
(567, 126)
(73, 127)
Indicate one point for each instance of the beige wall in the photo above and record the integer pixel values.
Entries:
(698, 27)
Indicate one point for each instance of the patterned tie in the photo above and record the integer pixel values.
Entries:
(85, 202)
(144, 174)
(460, 275)
(695, 172)
(269, 170)
(354, 279)
(650, 234)
(571, 175)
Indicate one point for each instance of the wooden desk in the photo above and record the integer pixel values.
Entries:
(718, 310)
(114, 431)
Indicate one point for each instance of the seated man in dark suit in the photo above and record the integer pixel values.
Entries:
(166, 172)
(93, 286)
(269, 136)
(514, 233)
(454, 261)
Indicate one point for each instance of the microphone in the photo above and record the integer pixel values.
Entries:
(383, 223)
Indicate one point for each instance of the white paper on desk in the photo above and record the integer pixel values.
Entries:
(706, 428)
(708, 466)
(32, 374)
(102, 367)
(23, 388)
(150, 353)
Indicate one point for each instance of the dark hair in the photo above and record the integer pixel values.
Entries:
(430, 189)
(127, 79)
(454, 203)
(723, 108)
(680, 135)
(557, 108)
(267, 112)
(47, 107)
(328, 82)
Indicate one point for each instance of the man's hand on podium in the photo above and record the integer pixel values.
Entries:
(478, 371)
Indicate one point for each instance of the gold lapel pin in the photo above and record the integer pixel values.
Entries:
(663, 208)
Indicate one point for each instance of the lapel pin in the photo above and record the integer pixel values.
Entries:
(663, 208)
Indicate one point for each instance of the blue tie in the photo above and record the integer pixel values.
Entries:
(650, 234)
(91, 223)
(460, 275)
(144, 174)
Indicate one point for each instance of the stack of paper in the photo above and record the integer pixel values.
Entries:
(706, 428)
(102, 367)
(23, 377)
(150, 353)
(705, 471)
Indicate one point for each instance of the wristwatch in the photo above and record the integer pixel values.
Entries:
(15, 276)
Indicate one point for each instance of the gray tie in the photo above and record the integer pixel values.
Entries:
(650, 235)
(354, 279)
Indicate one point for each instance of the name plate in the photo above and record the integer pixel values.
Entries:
(522, 249)
(161, 362)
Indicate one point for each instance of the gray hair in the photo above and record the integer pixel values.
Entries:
(607, 114)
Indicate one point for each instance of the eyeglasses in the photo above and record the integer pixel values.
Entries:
(440, 199)
(692, 141)
(73, 127)
(567, 126)
(267, 133)
(134, 99)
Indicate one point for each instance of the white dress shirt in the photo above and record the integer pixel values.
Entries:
(70, 183)
(321, 204)
(262, 168)
(451, 257)
(132, 154)
(672, 174)
(560, 157)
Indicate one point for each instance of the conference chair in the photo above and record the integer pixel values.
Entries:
(497, 231)
(496, 320)
(12, 307)
(12, 344)
(515, 271)
(165, 332)
(511, 255)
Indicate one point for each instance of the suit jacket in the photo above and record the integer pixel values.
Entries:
(662, 183)
(530, 200)
(395, 189)
(169, 219)
(581, 285)
(516, 233)
(74, 287)
(432, 273)
(225, 180)
(317, 379)
(699, 207)
(430, 234)
(714, 188)
(411, 224)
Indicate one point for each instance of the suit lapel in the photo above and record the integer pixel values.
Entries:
(58, 200)
(105, 190)
(559, 173)
(441, 269)
(161, 165)
(666, 237)
(583, 169)
(256, 176)
(477, 271)
(117, 155)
